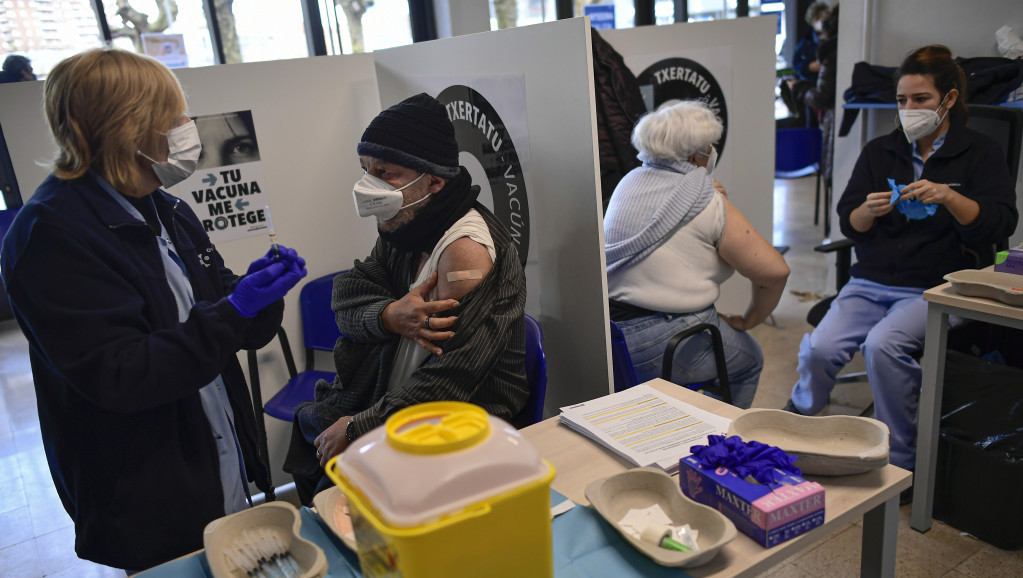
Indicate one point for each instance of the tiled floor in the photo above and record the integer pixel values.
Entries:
(37, 539)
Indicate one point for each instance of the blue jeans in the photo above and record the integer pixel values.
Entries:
(887, 325)
(694, 358)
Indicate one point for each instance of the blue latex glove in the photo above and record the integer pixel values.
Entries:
(288, 256)
(913, 209)
(256, 291)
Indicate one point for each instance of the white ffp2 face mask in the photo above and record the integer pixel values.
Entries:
(712, 158)
(920, 122)
(375, 197)
(182, 156)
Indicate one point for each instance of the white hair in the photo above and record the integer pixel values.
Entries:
(676, 131)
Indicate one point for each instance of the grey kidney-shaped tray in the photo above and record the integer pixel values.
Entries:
(833, 445)
(614, 496)
(1004, 287)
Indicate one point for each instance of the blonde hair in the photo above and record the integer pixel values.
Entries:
(673, 133)
(103, 105)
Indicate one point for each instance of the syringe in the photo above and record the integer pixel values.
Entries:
(273, 234)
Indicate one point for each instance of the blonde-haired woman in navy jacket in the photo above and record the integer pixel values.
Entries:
(133, 320)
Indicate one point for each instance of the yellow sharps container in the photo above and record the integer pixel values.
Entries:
(443, 489)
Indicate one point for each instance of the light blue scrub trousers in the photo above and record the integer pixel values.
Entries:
(694, 362)
(887, 325)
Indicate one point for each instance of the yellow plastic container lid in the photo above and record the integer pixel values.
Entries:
(437, 458)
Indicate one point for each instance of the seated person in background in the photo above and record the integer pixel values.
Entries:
(804, 61)
(16, 68)
(881, 311)
(671, 238)
(819, 94)
(436, 312)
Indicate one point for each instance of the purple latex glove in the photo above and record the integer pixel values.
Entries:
(288, 256)
(747, 459)
(256, 291)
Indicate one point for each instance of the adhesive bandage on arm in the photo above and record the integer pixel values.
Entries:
(465, 275)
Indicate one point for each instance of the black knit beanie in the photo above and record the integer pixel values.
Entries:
(415, 133)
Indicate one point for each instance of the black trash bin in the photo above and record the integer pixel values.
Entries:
(979, 480)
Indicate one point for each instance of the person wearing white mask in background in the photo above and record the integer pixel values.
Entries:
(671, 239)
(436, 312)
(956, 202)
(133, 320)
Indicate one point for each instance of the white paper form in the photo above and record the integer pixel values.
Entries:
(644, 426)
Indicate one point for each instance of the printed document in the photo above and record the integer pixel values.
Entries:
(645, 426)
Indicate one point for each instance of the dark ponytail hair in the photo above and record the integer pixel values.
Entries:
(936, 61)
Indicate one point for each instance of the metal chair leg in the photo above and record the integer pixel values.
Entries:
(257, 406)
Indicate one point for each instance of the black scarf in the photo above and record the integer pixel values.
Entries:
(429, 225)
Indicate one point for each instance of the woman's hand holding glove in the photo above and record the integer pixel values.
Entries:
(268, 284)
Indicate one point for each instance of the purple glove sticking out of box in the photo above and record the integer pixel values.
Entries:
(751, 459)
(913, 209)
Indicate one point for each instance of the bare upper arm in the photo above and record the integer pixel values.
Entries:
(745, 249)
(468, 262)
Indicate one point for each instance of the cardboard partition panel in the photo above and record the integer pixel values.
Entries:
(522, 104)
(730, 65)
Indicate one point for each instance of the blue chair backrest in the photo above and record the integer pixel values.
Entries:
(319, 327)
(536, 369)
(621, 361)
(796, 149)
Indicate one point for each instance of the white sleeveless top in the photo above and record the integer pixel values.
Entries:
(410, 355)
(684, 274)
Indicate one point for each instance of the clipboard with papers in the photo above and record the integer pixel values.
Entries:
(644, 426)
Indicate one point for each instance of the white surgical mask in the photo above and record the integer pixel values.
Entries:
(712, 159)
(375, 197)
(183, 154)
(920, 122)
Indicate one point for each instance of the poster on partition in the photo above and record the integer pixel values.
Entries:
(703, 75)
(226, 190)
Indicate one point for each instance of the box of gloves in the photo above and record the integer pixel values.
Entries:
(755, 486)
(1010, 261)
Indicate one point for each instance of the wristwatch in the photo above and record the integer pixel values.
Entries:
(350, 431)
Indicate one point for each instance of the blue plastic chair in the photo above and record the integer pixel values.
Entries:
(319, 332)
(536, 370)
(625, 373)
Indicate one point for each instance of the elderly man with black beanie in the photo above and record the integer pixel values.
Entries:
(435, 313)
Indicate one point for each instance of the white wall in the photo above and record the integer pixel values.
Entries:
(553, 62)
(740, 54)
(308, 114)
(883, 32)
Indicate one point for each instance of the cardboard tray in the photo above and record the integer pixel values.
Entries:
(1004, 287)
(281, 518)
(326, 503)
(613, 496)
(835, 445)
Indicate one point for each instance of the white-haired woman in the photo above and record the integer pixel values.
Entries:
(672, 237)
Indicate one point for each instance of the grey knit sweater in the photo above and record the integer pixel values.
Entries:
(649, 204)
